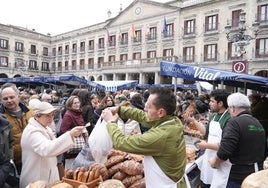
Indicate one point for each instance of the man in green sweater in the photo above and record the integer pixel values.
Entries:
(163, 145)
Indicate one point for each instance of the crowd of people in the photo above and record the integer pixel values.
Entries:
(38, 128)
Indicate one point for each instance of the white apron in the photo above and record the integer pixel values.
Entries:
(216, 177)
(155, 177)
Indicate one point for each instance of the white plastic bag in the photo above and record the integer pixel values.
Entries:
(100, 142)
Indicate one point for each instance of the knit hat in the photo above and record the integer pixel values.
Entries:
(43, 108)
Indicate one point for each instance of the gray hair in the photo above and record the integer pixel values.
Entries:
(238, 100)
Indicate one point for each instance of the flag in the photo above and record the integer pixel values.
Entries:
(164, 26)
(109, 40)
(133, 31)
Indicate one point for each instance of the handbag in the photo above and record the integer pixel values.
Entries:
(79, 143)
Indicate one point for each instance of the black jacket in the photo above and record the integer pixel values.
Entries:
(243, 143)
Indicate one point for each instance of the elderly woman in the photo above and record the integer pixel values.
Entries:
(40, 147)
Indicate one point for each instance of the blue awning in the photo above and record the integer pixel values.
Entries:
(211, 75)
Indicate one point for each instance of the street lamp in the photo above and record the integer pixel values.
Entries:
(239, 38)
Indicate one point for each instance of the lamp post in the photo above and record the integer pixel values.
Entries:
(238, 36)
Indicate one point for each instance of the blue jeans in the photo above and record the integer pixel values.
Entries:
(232, 184)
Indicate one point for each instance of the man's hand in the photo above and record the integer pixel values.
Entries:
(107, 115)
(202, 145)
(215, 161)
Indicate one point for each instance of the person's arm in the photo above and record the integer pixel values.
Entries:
(199, 125)
(205, 145)
(5, 168)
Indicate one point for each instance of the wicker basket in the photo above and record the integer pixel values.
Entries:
(93, 184)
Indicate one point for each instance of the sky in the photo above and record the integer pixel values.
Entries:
(58, 16)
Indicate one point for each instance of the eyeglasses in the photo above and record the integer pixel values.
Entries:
(109, 100)
(50, 115)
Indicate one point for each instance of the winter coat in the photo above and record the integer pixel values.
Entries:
(40, 149)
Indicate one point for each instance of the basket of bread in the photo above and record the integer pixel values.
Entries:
(81, 176)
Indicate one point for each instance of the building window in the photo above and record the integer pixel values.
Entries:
(19, 46)
(123, 57)
(66, 65)
(3, 61)
(262, 47)
(101, 43)
(82, 64)
(151, 54)
(66, 49)
(59, 66)
(60, 50)
(100, 61)
(33, 65)
(263, 12)
(45, 66)
(111, 58)
(138, 36)
(53, 51)
(136, 55)
(152, 33)
(33, 49)
(91, 45)
(82, 46)
(189, 27)
(232, 50)
(91, 63)
(112, 40)
(124, 38)
(73, 64)
(211, 23)
(235, 18)
(188, 54)
(3, 44)
(74, 46)
(168, 53)
(45, 51)
(169, 30)
(210, 52)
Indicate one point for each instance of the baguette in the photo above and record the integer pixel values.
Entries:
(75, 174)
(85, 177)
(91, 176)
(80, 176)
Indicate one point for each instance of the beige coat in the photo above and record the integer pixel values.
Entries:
(40, 149)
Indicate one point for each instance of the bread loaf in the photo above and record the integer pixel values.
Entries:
(129, 180)
(114, 152)
(138, 184)
(114, 169)
(119, 175)
(113, 160)
(132, 167)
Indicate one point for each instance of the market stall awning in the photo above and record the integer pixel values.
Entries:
(211, 75)
(170, 86)
(68, 79)
(113, 85)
